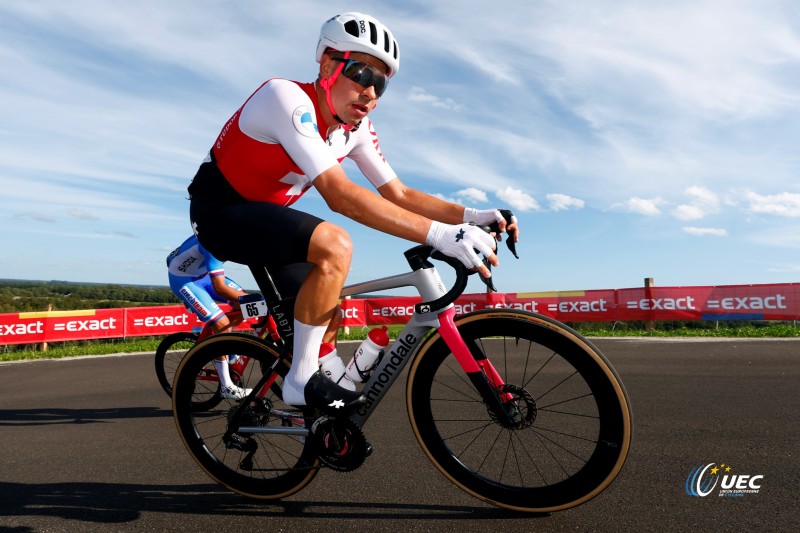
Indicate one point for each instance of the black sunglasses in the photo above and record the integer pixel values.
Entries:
(364, 74)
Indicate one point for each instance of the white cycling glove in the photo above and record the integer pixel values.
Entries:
(460, 241)
(484, 217)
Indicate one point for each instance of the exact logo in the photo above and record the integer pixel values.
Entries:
(702, 481)
(168, 320)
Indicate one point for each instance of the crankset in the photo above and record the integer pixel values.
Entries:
(519, 405)
(340, 443)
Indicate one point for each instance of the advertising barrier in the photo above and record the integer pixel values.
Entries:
(729, 302)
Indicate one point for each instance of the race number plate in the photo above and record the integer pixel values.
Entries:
(253, 306)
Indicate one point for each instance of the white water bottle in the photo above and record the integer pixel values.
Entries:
(332, 366)
(368, 354)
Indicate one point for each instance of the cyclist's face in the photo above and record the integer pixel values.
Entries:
(351, 100)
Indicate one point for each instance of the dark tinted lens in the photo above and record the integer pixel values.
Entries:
(366, 76)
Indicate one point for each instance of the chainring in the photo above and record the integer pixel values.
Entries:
(339, 442)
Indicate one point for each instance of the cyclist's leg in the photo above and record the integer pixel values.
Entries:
(288, 280)
(329, 251)
(231, 322)
(290, 241)
(197, 297)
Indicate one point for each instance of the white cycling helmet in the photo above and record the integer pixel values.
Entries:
(357, 32)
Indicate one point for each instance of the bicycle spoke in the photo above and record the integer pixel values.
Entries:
(548, 454)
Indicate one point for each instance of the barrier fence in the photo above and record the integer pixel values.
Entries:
(727, 302)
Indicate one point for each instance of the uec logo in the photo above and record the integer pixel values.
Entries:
(703, 479)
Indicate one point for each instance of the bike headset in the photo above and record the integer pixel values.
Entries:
(355, 32)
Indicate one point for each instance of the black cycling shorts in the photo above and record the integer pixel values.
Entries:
(251, 233)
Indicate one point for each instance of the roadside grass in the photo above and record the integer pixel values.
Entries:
(149, 344)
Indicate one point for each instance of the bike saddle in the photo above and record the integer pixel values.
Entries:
(330, 398)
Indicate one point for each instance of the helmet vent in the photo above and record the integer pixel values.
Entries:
(387, 46)
(351, 27)
(373, 33)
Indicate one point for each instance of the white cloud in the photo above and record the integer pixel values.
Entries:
(688, 212)
(473, 195)
(642, 206)
(418, 94)
(559, 202)
(703, 232)
(517, 199)
(702, 202)
(785, 204)
(33, 215)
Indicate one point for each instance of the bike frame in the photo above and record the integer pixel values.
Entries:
(430, 287)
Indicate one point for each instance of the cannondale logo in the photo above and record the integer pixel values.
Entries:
(704, 479)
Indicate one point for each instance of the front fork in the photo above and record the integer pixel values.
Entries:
(479, 369)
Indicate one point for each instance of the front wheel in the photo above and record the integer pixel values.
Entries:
(169, 355)
(569, 428)
(274, 460)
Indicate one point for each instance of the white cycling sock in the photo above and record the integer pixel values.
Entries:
(305, 361)
(223, 372)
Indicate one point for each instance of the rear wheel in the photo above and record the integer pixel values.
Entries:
(269, 464)
(570, 426)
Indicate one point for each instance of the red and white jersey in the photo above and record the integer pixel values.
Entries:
(274, 146)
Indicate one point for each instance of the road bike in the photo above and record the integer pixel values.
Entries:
(173, 348)
(513, 407)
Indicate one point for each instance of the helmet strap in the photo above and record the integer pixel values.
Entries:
(326, 84)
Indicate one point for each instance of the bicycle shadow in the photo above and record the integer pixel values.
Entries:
(111, 503)
(47, 416)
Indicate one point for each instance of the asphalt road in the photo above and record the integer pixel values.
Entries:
(89, 445)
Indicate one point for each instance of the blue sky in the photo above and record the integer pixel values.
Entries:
(633, 139)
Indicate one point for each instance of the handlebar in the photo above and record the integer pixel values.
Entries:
(418, 258)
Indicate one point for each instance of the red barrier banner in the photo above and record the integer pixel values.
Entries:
(26, 328)
(160, 320)
(731, 302)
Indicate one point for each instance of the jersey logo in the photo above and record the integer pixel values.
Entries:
(305, 121)
(298, 182)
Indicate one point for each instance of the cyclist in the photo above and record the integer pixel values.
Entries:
(289, 136)
(198, 279)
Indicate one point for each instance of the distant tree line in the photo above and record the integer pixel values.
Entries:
(18, 296)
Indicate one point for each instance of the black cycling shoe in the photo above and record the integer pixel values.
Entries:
(330, 398)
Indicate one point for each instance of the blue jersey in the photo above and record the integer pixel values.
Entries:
(191, 261)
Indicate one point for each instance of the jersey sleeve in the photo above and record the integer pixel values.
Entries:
(368, 156)
(281, 113)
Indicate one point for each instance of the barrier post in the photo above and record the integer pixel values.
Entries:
(43, 346)
(649, 325)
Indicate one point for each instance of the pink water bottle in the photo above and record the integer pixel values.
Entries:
(368, 354)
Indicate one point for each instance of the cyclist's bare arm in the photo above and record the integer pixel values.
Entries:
(421, 203)
(225, 291)
(431, 207)
(365, 207)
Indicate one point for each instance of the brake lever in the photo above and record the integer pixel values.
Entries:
(488, 281)
(495, 227)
